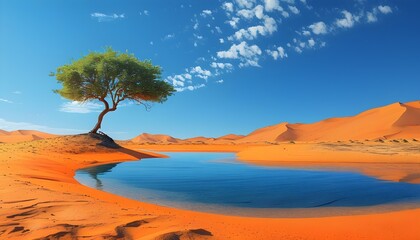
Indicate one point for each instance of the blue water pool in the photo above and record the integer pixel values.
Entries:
(211, 181)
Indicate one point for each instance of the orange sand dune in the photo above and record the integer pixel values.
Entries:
(199, 140)
(41, 200)
(394, 121)
(266, 134)
(154, 138)
(230, 137)
(226, 139)
(146, 138)
(389, 122)
(23, 135)
(3, 132)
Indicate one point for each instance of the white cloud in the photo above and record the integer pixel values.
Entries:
(200, 72)
(169, 36)
(318, 28)
(371, 17)
(302, 44)
(80, 107)
(311, 42)
(348, 20)
(206, 13)
(145, 12)
(271, 5)
(277, 53)
(248, 55)
(221, 40)
(242, 49)
(182, 82)
(245, 3)
(101, 17)
(257, 12)
(294, 9)
(246, 13)
(220, 81)
(5, 100)
(227, 6)
(227, 66)
(151, 42)
(199, 37)
(250, 33)
(384, 9)
(179, 80)
(190, 88)
(306, 33)
(234, 22)
(11, 126)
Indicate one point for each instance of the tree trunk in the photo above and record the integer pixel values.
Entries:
(100, 118)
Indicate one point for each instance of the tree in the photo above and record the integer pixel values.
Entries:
(112, 77)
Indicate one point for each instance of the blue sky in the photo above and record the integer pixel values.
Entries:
(237, 65)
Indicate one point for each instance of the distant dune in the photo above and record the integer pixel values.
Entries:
(393, 121)
(146, 138)
(154, 138)
(230, 137)
(23, 135)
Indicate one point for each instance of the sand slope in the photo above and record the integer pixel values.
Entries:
(23, 135)
(393, 121)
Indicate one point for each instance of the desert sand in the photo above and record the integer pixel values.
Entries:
(41, 200)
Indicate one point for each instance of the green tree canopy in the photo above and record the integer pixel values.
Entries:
(112, 77)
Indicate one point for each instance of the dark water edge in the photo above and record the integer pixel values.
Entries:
(217, 183)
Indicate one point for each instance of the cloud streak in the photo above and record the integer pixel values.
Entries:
(11, 126)
(5, 100)
(102, 17)
(79, 107)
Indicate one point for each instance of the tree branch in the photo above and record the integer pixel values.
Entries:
(146, 105)
(105, 103)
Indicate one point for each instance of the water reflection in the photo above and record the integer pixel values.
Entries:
(94, 172)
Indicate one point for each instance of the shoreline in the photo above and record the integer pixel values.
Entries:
(41, 199)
